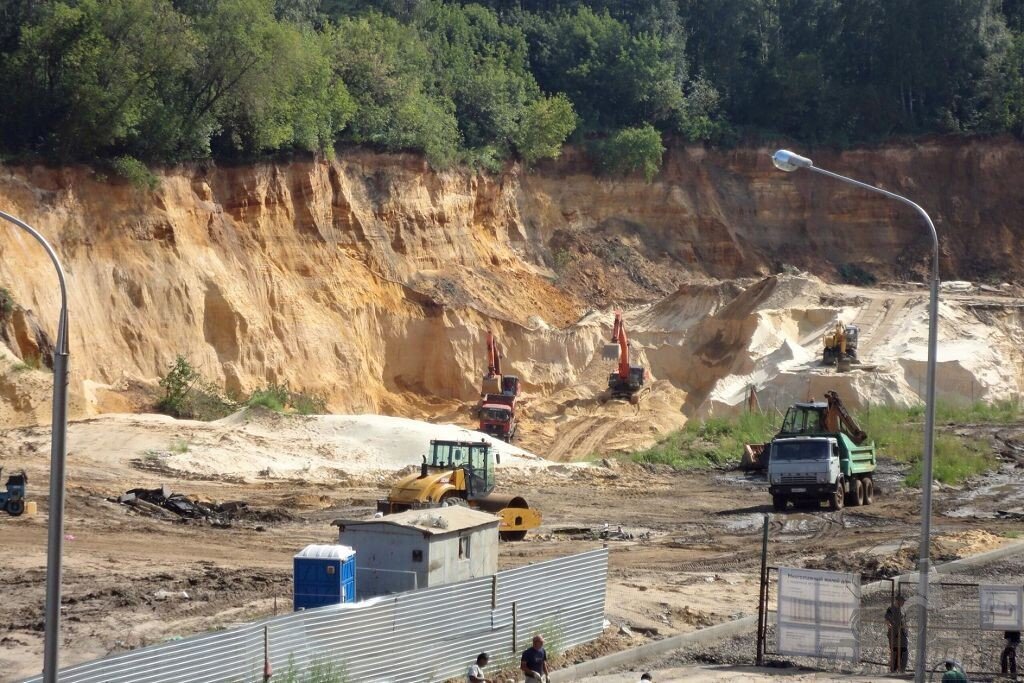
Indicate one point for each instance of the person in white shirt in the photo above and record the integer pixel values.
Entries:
(476, 671)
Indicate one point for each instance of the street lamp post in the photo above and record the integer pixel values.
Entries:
(58, 437)
(788, 161)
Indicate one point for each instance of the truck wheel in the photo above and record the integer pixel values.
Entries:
(779, 503)
(15, 507)
(838, 495)
(869, 491)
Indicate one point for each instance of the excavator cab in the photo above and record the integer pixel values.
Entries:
(804, 418)
(633, 383)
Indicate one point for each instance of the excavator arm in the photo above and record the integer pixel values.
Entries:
(493, 356)
(623, 342)
(837, 417)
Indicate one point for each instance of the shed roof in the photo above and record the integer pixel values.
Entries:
(431, 521)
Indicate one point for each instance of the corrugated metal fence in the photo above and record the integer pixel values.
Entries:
(416, 637)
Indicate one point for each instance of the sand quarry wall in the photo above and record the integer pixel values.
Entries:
(371, 278)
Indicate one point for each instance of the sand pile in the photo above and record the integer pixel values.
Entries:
(255, 445)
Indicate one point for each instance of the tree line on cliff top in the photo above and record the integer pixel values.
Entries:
(164, 81)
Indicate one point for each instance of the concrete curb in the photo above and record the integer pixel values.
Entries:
(732, 628)
(658, 647)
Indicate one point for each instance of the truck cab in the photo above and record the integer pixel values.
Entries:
(804, 467)
(498, 417)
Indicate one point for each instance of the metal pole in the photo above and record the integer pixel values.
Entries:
(762, 603)
(921, 662)
(58, 438)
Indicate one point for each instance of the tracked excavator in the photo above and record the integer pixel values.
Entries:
(461, 472)
(628, 381)
(498, 396)
(840, 346)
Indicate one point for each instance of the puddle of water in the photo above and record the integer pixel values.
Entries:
(994, 491)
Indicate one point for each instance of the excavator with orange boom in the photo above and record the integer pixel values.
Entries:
(498, 395)
(627, 382)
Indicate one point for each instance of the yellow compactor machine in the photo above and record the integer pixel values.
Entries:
(461, 472)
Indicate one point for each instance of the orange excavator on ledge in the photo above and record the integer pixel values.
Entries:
(498, 395)
(627, 382)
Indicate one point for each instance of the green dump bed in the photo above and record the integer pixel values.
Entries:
(856, 459)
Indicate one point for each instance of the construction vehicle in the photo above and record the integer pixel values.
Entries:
(12, 501)
(821, 455)
(840, 346)
(461, 472)
(499, 393)
(627, 382)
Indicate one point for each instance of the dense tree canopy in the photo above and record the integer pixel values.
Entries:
(478, 83)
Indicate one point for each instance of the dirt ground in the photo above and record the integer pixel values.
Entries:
(687, 556)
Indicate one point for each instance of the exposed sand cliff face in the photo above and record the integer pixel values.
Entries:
(371, 279)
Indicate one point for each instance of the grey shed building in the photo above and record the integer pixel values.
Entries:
(420, 548)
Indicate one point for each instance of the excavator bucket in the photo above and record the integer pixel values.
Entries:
(491, 385)
(610, 352)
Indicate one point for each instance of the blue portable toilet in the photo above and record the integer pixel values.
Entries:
(324, 575)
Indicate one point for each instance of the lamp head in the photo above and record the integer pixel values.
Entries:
(785, 160)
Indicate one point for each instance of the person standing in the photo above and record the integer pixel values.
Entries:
(1008, 660)
(476, 671)
(896, 630)
(954, 673)
(534, 663)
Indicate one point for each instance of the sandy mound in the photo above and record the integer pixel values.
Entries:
(260, 445)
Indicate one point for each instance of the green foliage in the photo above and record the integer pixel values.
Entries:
(955, 459)
(629, 151)
(319, 672)
(135, 172)
(386, 67)
(544, 126)
(898, 434)
(179, 381)
(280, 398)
(174, 80)
(713, 441)
(187, 395)
(6, 304)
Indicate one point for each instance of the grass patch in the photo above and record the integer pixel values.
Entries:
(1013, 533)
(281, 399)
(955, 460)
(31, 362)
(898, 434)
(178, 446)
(714, 441)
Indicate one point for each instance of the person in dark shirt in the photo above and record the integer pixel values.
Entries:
(1008, 660)
(896, 630)
(534, 663)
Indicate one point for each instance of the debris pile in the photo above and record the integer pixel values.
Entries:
(162, 503)
(605, 533)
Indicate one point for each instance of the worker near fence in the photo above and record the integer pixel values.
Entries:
(1008, 660)
(896, 629)
(534, 663)
(954, 672)
(476, 671)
